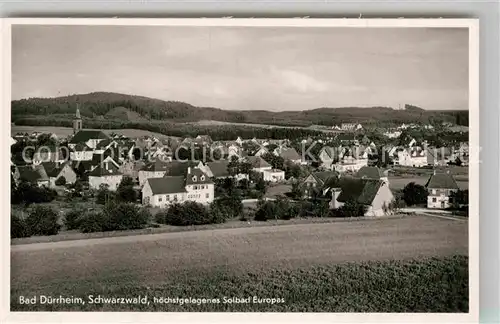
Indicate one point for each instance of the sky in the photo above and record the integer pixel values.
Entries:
(247, 68)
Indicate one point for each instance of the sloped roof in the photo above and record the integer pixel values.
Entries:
(178, 168)
(198, 174)
(52, 169)
(370, 172)
(345, 137)
(288, 153)
(85, 135)
(81, 147)
(156, 166)
(105, 169)
(258, 162)
(361, 190)
(167, 185)
(324, 176)
(219, 168)
(441, 181)
(330, 151)
(32, 174)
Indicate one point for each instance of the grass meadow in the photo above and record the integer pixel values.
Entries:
(407, 264)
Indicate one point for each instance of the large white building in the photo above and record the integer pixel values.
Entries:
(195, 186)
(105, 173)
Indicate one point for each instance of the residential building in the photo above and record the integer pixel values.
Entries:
(105, 173)
(90, 137)
(319, 182)
(56, 170)
(352, 159)
(156, 169)
(374, 194)
(439, 156)
(328, 156)
(289, 154)
(194, 186)
(219, 170)
(351, 127)
(414, 156)
(440, 187)
(258, 164)
(34, 174)
(373, 173)
(262, 151)
(273, 175)
(81, 152)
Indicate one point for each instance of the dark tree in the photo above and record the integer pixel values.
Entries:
(125, 191)
(414, 194)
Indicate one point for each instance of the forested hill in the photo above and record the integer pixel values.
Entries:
(116, 106)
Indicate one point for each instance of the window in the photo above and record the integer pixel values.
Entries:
(159, 198)
(167, 197)
(202, 178)
(434, 199)
(195, 187)
(194, 178)
(207, 195)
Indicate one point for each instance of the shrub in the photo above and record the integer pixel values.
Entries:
(29, 193)
(266, 211)
(187, 213)
(231, 204)
(93, 222)
(61, 181)
(351, 208)
(161, 217)
(104, 195)
(124, 216)
(18, 227)
(125, 191)
(43, 220)
(72, 218)
(414, 194)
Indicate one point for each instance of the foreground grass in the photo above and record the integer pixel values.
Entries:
(424, 285)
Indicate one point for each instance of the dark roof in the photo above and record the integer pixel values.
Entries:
(288, 153)
(330, 151)
(105, 169)
(85, 135)
(361, 190)
(370, 172)
(345, 137)
(156, 166)
(325, 176)
(80, 147)
(441, 181)
(219, 168)
(31, 173)
(52, 169)
(87, 165)
(198, 174)
(258, 162)
(102, 144)
(178, 168)
(167, 185)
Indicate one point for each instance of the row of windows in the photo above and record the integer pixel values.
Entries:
(200, 187)
(207, 195)
(444, 191)
(450, 200)
(168, 197)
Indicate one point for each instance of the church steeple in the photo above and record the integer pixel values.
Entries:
(77, 122)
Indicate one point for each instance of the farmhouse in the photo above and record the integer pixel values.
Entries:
(440, 186)
(156, 169)
(105, 173)
(194, 186)
(319, 182)
(374, 194)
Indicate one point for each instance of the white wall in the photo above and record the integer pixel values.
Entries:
(144, 175)
(113, 181)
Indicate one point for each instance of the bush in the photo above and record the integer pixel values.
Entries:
(72, 218)
(104, 195)
(125, 216)
(29, 193)
(61, 181)
(231, 204)
(185, 214)
(125, 191)
(18, 227)
(351, 208)
(93, 222)
(43, 220)
(414, 194)
(266, 211)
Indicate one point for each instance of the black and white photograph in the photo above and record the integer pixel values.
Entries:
(256, 167)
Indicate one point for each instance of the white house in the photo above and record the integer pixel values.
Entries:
(374, 194)
(156, 169)
(414, 156)
(440, 186)
(81, 152)
(90, 137)
(352, 159)
(273, 175)
(107, 173)
(195, 186)
(56, 170)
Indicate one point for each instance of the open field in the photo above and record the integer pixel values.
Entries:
(66, 131)
(218, 123)
(295, 262)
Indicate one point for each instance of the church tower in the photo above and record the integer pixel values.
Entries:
(77, 122)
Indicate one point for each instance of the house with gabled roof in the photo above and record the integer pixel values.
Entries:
(195, 186)
(56, 170)
(154, 169)
(328, 156)
(319, 182)
(374, 194)
(89, 137)
(219, 170)
(289, 154)
(34, 174)
(258, 164)
(440, 187)
(352, 158)
(105, 173)
(372, 172)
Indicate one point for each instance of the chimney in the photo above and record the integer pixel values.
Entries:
(189, 170)
(434, 172)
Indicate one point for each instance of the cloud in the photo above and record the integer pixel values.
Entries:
(300, 81)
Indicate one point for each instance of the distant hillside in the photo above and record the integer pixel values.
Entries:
(108, 105)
